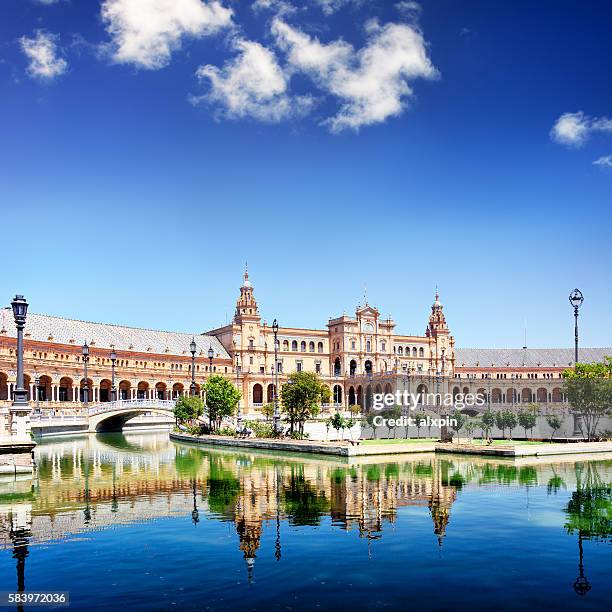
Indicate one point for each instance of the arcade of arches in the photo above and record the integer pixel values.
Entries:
(356, 356)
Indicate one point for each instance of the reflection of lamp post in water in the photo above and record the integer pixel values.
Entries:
(582, 585)
(277, 544)
(195, 515)
(19, 535)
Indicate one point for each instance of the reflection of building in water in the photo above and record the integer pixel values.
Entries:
(87, 486)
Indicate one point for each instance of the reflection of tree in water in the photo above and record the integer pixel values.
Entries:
(304, 505)
(589, 513)
(223, 488)
(188, 461)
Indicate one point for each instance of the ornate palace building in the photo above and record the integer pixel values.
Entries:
(355, 355)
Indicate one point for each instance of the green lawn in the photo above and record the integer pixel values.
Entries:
(507, 442)
(462, 441)
(399, 441)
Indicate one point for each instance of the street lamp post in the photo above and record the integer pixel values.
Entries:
(211, 354)
(192, 349)
(239, 417)
(20, 408)
(576, 298)
(113, 358)
(86, 382)
(276, 411)
(37, 385)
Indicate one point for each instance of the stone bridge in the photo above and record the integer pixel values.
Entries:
(106, 416)
(111, 416)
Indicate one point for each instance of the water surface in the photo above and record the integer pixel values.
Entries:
(138, 521)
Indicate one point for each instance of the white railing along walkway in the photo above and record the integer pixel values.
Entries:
(128, 404)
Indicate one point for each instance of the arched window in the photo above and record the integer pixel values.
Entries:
(303, 346)
(311, 346)
(285, 345)
(337, 394)
(414, 351)
(294, 345)
(383, 346)
(368, 367)
(352, 367)
(257, 394)
(421, 352)
(368, 346)
(400, 350)
(320, 347)
(337, 367)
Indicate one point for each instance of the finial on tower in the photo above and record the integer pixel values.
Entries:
(365, 294)
(246, 281)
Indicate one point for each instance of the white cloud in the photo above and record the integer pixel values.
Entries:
(280, 7)
(47, 2)
(372, 83)
(331, 6)
(252, 85)
(43, 53)
(408, 7)
(604, 162)
(145, 32)
(574, 129)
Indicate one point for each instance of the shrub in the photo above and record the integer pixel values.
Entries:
(296, 435)
(226, 431)
(261, 430)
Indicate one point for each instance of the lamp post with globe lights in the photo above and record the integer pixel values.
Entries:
(192, 350)
(576, 298)
(276, 411)
(20, 409)
(113, 358)
(85, 351)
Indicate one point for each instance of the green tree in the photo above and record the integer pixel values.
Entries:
(500, 422)
(337, 422)
(301, 397)
(470, 427)
(488, 422)
(268, 410)
(221, 399)
(527, 419)
(554, 422)
(188, 408)
(510, 420)
(457, 420)
(392, 414)
(588, 388)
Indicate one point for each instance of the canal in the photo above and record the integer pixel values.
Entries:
(138, 521)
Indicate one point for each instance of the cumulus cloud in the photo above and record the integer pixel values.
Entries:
(372, 82)
(331, 6)
(409, 8)
(574, 129)
(252, 85)
(146, 32)
(44, 54)
(604, 162)
(280, 7)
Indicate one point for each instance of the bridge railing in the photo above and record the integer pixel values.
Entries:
(136, 403)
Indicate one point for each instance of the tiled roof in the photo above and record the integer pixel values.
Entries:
(561, 357)
(45, 328)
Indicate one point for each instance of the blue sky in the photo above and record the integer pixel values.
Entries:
(144, 157)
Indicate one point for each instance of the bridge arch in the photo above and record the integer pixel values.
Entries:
(112, 416)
